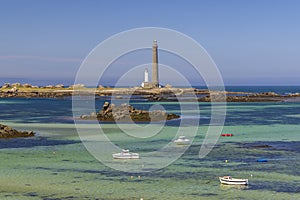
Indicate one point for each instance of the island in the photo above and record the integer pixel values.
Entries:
(127, 113)
(9, 132)
(167, 93)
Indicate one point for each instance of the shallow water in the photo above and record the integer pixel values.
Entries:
(56, 165)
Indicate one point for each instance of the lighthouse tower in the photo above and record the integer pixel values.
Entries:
(154, 83)
(155, 64)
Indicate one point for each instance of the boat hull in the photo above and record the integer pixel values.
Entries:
(182, 142)
(131, 156)
(233, 181)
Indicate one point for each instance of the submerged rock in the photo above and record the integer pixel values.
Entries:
(8, 132)
(262, 146)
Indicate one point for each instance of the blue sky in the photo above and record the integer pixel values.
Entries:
(253, 42)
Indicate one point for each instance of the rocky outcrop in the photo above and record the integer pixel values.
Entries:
(77, 86)
(6, 85)
(27, 85)
(59, 86)
(297, 94)
(167, 93)
(243, 99)
(266, 94)
(127, 113)
(16, 85)
(8, 132)
(34, 94)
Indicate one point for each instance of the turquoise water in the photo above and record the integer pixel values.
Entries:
(56, 165)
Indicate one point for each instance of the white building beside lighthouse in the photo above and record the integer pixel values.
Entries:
(146, 78)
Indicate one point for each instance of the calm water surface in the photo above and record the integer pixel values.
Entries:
(56, 165)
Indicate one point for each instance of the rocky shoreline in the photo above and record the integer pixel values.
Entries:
(169, 93)
(9, 132)
(127, 113)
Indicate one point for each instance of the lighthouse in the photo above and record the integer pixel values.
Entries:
(155, 64)
(155, 81)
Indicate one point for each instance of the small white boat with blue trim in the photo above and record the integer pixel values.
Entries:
(228, 180)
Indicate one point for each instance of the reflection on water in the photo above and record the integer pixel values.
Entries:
(230, 187)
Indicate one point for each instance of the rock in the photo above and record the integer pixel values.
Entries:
(59, 86)
(49, 87)
(93, 114)
(26, 85)
(155, 98)
(294, 94)
(8, 132)
(105, 106)
(268, 94)
(262, 146)
(13, 90)
(16, 84)
(6, 85)
(127, 113)
(84, 117)
(77, 86)
(100, 87)
(168, 86)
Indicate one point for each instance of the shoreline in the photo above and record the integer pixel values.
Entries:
(155, 94)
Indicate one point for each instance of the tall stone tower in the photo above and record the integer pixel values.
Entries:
(155, 64)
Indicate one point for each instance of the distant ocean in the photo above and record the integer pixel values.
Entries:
(258, 89)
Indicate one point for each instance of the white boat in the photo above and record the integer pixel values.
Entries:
(233, 181)
(125, 154)
(182, 140)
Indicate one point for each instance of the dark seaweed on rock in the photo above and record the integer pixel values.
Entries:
(127, 113)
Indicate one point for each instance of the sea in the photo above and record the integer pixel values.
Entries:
(56, 163)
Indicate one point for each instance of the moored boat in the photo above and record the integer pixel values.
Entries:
(262, 160)
(227, 134)
(182, 140)
(125, 154)
(228, 180)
